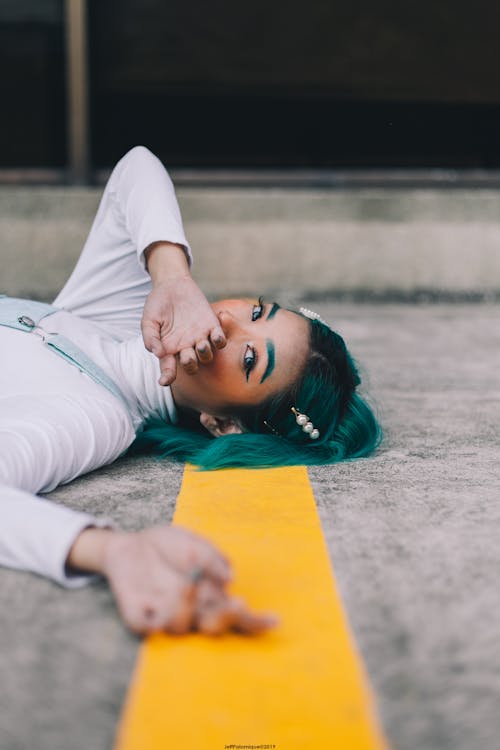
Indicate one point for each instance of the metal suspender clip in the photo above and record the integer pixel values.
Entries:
(25, 320)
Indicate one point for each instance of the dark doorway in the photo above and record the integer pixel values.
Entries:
(323, 83)
(32, 85)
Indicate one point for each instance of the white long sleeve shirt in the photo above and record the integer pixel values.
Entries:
(56, 423)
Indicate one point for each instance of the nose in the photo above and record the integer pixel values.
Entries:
(229, 324)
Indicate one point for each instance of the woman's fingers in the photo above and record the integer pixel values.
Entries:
(232, 614)
(151, 333)
(215, 621)
(201, 352)
(188, 360)
(217, 613)
(170, 608)
(191, 609)
(204, 351)
(179, 619)
(217, 337)
(168, 367)
(214, 611)
(251, 623)
(183, 618)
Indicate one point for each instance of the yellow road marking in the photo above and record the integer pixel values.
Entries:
(299, 686)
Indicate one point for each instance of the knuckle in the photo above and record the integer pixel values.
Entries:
(178, 626)
(213, 625)
(180, 622)
(135, 623)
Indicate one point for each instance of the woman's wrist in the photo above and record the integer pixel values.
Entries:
(166, 261)
(88, 551)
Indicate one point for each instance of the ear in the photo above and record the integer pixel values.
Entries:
(219, 426)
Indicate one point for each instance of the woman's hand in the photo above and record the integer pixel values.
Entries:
(177, 322)
(217, 613)
(166, 579)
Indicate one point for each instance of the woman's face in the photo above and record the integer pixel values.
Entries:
(265, 352)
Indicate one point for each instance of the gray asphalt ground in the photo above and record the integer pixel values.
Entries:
(412, 533)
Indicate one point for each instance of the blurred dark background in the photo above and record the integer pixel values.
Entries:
(320, 84)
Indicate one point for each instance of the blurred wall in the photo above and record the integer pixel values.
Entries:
(323, 83)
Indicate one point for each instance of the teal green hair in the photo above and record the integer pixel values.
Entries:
(325, 391)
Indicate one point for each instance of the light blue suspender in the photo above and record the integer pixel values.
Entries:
(25, 315)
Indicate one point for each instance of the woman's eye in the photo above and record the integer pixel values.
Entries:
(249, 359)
(258, 309)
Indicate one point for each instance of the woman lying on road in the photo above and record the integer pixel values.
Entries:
(275, 387)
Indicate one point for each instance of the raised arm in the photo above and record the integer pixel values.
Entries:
(137, 247)
(177, 319)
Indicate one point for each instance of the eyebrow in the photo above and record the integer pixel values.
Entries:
(270, 360)
(272, 312)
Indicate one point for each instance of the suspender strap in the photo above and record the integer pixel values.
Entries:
(76, 356)
(25, 315)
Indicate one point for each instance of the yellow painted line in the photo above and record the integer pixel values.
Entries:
(299, 686)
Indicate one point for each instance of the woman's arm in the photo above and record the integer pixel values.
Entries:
(177, 318)
(137, 247)
(47, 440)
(36, 535)
(138, 207)
(163, 578)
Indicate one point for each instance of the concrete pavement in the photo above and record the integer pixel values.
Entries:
(412, 533)
(368, 243)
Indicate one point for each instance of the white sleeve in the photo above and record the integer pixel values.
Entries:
(110, 283)
(146, 199)
(59, 439)
(36, 535)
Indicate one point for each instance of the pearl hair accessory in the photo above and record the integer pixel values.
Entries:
(311, 314)
(306, 424)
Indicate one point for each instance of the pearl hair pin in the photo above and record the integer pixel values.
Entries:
(306, 424)
(311, 315)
